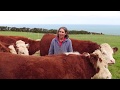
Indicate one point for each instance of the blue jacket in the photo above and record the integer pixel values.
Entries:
(55, 48)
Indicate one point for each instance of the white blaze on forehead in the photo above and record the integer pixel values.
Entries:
(107, 52)
(12, 49)
(20, 43)
(102, 64)
(22, 47)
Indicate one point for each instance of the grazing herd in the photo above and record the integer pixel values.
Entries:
(88, 60)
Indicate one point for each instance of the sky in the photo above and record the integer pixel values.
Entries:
(60, 17)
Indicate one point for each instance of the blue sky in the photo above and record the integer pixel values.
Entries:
(60, 17)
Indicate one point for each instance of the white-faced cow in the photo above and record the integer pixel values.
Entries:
(34, 45)
(18, 48)
(62, 66)
(22, 48)
(79, 45)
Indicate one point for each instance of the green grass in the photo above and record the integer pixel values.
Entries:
(26, 34)
(114, 41)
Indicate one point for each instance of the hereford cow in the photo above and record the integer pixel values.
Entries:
(62, 66)
(33, 44)
(78, 45)
(22, 48)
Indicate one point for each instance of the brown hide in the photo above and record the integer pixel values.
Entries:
(33, 45)
(4, 47)
(78, 45)
(45, 44)
(84, 46)
(14, 66)
(7, 39)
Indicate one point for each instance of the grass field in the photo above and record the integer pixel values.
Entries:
(113, 40)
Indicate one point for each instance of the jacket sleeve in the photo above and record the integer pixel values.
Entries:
(70, 48)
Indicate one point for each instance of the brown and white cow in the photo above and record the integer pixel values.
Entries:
(22, 48)
(62, 66)
(79, 45)
(34, 45)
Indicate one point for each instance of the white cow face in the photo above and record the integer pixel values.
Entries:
(22, 48)
(102, 66)
(107, 52)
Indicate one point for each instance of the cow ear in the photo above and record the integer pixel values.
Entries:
(27, 45)
(93, 59)
(115, 49)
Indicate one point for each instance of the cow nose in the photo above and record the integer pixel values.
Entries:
(111, 62)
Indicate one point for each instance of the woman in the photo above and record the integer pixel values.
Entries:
(61, 43)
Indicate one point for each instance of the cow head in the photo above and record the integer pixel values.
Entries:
(101, 66)
(22, 48)
(108, 52)
(105, 54)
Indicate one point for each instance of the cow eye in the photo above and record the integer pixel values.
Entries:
(103, 53)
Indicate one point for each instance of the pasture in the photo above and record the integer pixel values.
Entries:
(113, 40)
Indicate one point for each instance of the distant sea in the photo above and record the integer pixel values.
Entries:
(105, 29)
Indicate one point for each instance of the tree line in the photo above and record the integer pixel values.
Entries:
(42, 30)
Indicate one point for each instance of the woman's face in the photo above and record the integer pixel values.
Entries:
(61, 33)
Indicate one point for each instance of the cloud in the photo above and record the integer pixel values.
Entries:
(59, 17)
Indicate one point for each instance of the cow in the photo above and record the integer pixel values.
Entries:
(78, 45)
(61, 66)
(34, 45)
(22, 48)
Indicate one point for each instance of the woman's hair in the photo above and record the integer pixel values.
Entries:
(66, 31)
